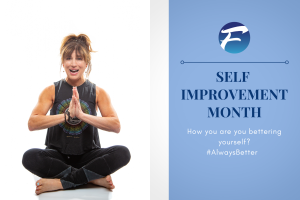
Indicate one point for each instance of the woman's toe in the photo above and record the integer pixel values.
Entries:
(39, 182)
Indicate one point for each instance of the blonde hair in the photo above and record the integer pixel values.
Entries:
(82, 46)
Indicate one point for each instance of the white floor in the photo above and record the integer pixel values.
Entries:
(85, 192)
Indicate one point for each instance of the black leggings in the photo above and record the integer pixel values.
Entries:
(75, 170)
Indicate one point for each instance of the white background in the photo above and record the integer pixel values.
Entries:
(31, 34)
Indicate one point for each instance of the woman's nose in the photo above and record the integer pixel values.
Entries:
(73, 61)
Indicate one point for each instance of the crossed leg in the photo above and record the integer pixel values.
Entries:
(94, 166)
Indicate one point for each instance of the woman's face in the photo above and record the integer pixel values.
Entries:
(74, 66)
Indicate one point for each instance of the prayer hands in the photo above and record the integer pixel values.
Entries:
(78, 110)
(75, 108)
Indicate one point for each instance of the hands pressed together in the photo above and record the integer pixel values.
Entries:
(75, 108)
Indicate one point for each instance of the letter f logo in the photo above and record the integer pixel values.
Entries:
(241, 34)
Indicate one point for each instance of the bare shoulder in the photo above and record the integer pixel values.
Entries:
(48, 93)
(101, 94)
(45, 102)
(104, 103)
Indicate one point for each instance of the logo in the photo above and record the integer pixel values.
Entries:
(234, 37)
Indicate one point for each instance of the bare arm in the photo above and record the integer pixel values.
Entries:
(109, 120)
(38, 119)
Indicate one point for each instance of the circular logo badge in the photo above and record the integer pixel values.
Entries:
(234, 37)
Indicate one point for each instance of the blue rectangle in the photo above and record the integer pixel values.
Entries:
(269, 168)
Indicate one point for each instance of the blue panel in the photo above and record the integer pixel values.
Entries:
(269, 166)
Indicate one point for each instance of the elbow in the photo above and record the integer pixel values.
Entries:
(30, 125)
(30, 128)
(117, 127)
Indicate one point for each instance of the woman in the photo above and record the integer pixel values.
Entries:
(73, 155)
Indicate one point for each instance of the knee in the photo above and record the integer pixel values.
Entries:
(31, 159)
(123, 154)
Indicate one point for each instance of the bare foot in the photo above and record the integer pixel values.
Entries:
(45, 185)
(104, 182)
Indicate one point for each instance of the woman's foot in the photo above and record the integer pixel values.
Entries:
(104, 182)
(45, 185)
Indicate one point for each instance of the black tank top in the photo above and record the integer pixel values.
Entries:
(78, 139)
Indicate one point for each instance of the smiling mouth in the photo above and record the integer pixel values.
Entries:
(74, 72)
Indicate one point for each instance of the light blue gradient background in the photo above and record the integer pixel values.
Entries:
(275, 172)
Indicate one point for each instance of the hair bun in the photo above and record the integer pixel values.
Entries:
(82, 38)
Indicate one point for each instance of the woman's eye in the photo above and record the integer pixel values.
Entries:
(79, 58)
(68, 58)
